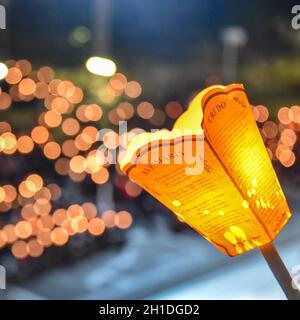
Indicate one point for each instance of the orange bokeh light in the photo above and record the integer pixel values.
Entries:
(25, 144)
(52, 150)
(96, 226)
(27, 87)
(40, 134)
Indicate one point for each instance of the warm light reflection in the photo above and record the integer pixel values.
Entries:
(3, 70)
(101, 66)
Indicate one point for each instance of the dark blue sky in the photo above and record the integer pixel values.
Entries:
(168, 30)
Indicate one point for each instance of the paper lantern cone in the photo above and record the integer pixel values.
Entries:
(219, 180)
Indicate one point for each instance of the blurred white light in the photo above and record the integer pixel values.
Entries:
(235, 36)
(101, 66)
(3, 70)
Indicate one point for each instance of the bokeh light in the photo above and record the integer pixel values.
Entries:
(101, 66)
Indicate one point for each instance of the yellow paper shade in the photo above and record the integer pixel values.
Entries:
(236, 203)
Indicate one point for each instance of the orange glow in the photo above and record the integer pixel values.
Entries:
(52, 150)
(70, 126)
(8, 143)
(24, 66)
(74, 211)
(10, 193)
(10, 63)
(45, 74)
(68, 227)
(89, 134)
(48, 101)
(63, 87)
(145, 110)
(114, 117)
(31, 197)
(60, 105)
(5, 101)
(288, 137)
(35, 227)
(62, 166)
(25, 144)
(173, 109)
(288, 161)
(43, 193)
(283, 115)
(95, 160)
(93, 112)
(80, 224)
(109, 218)
(28, 213)
(270, 129)
(19, 249)
(4, 127)
(116, 84)
(59, 236)
(2, 239)
(133, 89)
(294, 114)
(90, 210)
(44, 238)
(132, 189)
(40, 135)
(5, 206)
(52, 118)
(23, 229)
(77, 177)
(158, 118)
(123, 219)
(80, 113)
(74, 95)
(111, 140)
(34, 182)
(9, 233)
(45, 223)
(27, 87)
(24, 191)
(96, 226)
(81, 142)
(101, 176)
(284, 155)
(78, 164)
(41, 91)
(55, 191)
(2, 194)
(35, 249)
(125, 110)
(14, 75)
(59, 216)
(42, 207)
(15, 94)
(121, 78)
(263, 113)
(69, 148)
(53, 85)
